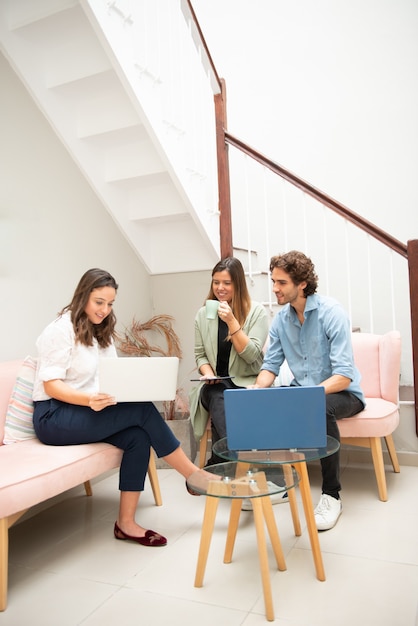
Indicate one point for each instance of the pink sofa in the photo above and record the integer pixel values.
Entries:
(31, 472)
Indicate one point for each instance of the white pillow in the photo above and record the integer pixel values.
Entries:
(19, 416)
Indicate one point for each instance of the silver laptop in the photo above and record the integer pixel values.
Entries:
(276, 418)
(139, 379)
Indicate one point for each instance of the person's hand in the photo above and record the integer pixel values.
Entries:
(99, 401)
(209, 380)
(225, 312)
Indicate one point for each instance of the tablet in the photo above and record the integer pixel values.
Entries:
(200, 380)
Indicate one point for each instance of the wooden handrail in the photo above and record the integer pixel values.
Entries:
(224, 187)
(200, 38)
(320, 196)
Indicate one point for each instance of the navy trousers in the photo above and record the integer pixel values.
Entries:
(212, 399)
(134, 427)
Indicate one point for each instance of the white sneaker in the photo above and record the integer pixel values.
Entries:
(276, 498)
(327, 512)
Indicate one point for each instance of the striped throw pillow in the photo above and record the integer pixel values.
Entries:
(19, 424)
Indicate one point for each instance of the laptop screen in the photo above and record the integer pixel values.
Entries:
(275, 418)
(139, 379)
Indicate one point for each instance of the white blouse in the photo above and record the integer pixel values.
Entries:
(61, 357)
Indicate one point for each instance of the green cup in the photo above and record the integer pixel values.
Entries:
(212, 307)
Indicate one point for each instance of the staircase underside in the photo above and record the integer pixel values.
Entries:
(58, 52)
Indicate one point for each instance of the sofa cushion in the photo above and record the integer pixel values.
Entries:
(31, 472)
(19, 415)
(379, 419)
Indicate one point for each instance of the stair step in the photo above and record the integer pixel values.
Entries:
(131, 159)
(136, 142)
(27, 12)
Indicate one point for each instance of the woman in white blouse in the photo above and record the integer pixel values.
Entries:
(69, 410)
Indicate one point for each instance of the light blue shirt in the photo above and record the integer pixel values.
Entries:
(316, 349)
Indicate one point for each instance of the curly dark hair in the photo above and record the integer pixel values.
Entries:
(299, 267)
(84, 330)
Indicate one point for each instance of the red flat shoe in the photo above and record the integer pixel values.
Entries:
(151, 539)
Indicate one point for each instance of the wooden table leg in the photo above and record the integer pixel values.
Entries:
(305, 490)
(288, 475)
(205, 538)
(273, 532)
(235, 514)
(263, 557)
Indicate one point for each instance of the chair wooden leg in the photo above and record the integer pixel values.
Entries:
(4, 561)
(379, 467)
(88, 489)
(203, 447)
(153, 478)
(392, 453)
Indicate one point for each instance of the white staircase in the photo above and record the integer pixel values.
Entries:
(122, 85)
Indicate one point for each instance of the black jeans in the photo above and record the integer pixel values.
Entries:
(212, 399)
(338, 406)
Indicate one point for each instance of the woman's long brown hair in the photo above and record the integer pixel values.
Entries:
(84, 330)
(241, 301)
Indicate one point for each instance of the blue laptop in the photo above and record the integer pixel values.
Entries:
(276, 418)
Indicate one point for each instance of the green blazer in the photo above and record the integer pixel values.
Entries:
(244, 366)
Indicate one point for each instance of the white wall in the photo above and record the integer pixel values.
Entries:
(52, 228)
(181, 295)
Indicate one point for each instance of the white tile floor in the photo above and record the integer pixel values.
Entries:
(66, 569)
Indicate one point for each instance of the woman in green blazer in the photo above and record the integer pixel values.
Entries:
(229, 345)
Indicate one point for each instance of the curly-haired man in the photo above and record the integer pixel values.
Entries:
(313, 334)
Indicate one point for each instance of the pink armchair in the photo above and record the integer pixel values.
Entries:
(378, 358)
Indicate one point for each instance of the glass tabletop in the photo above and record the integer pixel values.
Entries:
(238, 480)
(275, 457)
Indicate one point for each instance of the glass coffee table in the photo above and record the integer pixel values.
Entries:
(235, 481)
(297, 459)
